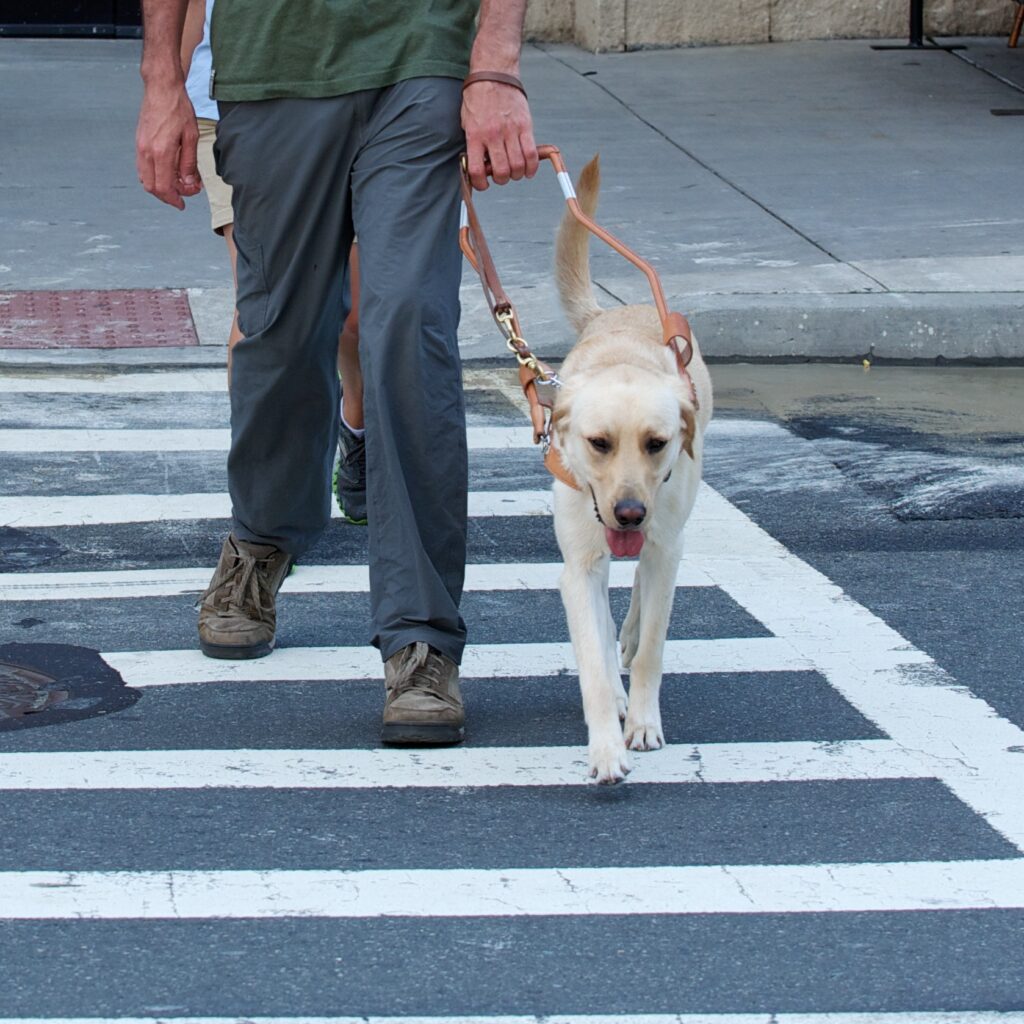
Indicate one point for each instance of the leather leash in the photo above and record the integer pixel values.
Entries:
(533, 372)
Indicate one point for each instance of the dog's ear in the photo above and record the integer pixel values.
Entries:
(560, 416)
(689, 419)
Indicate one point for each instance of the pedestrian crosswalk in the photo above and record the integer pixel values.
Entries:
(824, 777)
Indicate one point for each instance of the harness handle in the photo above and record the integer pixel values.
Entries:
(675, 327)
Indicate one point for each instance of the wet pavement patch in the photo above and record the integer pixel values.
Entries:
(922, 476)
(25, 549)
(50, 684)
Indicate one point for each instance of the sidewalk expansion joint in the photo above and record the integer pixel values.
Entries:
(718, 174)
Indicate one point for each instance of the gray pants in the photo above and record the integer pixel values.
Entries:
(306, 174)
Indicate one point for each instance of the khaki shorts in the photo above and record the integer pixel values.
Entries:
(218, 192)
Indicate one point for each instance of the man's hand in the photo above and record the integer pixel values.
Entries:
(495, 116)
(165, 144)
(499, 134)
(167, 135)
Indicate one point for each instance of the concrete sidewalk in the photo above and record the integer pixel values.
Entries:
(816, 199)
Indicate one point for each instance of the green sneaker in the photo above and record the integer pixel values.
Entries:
(350, 476)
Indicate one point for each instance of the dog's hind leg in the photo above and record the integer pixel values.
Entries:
(656, 578)
(612, 657)
(585, 596)
(630, 632)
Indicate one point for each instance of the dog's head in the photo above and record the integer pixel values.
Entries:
(621, 431)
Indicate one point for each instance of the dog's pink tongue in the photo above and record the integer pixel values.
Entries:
(624, 543)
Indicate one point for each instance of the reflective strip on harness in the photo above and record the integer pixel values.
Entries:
(463, 215)
(566, 182)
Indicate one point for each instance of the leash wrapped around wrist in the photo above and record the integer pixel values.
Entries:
(493, 76)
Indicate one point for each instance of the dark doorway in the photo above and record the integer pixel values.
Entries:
(106, 19)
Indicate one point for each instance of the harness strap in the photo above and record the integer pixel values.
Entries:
(676, 332)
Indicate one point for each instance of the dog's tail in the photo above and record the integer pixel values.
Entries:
(572, 259)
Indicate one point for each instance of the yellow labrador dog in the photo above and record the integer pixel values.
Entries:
(627, 430)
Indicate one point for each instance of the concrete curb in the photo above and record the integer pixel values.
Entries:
(114, 360)
(907, 327)
(914, 327)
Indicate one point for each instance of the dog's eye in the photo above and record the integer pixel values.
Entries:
(600, 444)
(655, 444)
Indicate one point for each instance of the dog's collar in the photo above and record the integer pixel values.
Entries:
(555, 465)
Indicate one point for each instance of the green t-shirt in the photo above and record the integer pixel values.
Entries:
(268, 48)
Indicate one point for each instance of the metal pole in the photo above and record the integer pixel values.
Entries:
(916, 23)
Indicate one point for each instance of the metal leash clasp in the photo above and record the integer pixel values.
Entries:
(517, 345)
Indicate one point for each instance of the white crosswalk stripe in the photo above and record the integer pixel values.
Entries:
(201, 440)
(469, 766)
(480, 661)
(32, 511)
(511, 892)
(91, 383)
(305, 579)
(181, 381)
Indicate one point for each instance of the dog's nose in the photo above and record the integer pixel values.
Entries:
(629, 512)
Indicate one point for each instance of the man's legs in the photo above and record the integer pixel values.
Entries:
(292, 234)
(405, 195)
(288, 162)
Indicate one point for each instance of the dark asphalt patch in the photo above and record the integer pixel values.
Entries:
(140, 411)
(923, 476)
(22, 550)
(194, 409)
(186, 543)
(343, 619)
(87, 686)
(58, 474)
(768, 707)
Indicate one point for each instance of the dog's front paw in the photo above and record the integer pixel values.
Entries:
(644, 735)
(609, 762)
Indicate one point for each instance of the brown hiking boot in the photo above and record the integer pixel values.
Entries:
(236, 614)
(423, 703)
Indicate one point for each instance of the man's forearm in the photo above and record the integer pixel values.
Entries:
(192, 32)
(165, 139)
(499, 36)
(162, 24)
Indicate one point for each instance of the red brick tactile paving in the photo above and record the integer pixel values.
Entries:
(127, 318)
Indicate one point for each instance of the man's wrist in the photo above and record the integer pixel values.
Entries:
(162, 74)
(495, 59)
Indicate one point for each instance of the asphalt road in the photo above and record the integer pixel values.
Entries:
(836, 827)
